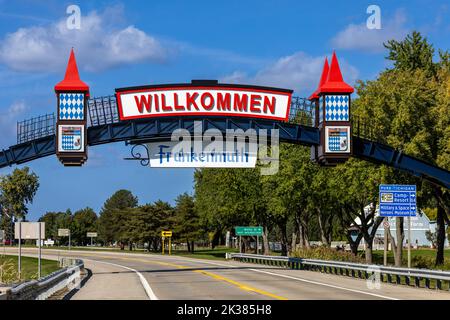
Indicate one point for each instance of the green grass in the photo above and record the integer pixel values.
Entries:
(30, 266)
(427, 254)
(211, 254)
(201, 253)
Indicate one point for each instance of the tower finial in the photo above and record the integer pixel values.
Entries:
(72, 79)
(323, 78)
(335, 82)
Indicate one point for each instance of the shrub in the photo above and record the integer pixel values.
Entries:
(326, 253)
(8, 272)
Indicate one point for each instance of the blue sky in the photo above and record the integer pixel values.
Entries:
(276, 43)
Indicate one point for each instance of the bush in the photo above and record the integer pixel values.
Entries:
(326, 253)
(423, 262)
(8, 272)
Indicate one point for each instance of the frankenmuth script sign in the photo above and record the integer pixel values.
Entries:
(196, 100)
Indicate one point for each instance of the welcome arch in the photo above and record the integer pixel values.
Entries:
(151, 113)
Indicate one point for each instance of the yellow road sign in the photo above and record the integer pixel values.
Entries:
(166, 233)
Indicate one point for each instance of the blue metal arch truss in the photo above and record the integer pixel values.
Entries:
(162, 128)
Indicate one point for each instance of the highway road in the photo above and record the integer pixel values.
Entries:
(117, 275)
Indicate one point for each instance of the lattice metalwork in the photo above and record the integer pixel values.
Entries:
(368, 130)
(35, 128)
(102, 110)
(302, 111)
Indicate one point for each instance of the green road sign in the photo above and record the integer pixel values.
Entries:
(249, 231)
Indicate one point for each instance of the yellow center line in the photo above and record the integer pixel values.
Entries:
(215, 276)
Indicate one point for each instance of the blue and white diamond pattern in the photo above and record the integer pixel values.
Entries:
(71, 138)
(338, 139)
(321, 110)
(69, 143)
(71, 106)
(336, 108)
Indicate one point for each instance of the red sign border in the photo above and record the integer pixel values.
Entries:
(277, 91)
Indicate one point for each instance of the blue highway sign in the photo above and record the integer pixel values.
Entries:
(397, 200)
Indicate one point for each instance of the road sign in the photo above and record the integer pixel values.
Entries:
(29, 230)
(397, 200)
(49, 242)
(166, 234)
(249, 231)
(386, 224)
(92, 234)
(63, 232)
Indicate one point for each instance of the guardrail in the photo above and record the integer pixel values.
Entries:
(431, 279)
(43, 288)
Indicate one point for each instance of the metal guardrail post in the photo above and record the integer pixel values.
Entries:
(355, 270)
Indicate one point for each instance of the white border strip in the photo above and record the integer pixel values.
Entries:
(325, 284)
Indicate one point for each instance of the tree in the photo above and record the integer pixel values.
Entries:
(187, 220)
(288, 193)
(84, 221)
(56, 220)
(408, 106)
(412, 53)
(109, 221)
(18, 190)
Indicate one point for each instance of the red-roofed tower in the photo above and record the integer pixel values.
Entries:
(314, 98)
(71, 124)
(333, 117)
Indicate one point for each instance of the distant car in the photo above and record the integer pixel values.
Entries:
(7, 242)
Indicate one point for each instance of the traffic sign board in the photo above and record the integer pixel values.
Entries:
(249, 231)
(397, 200)
(63, 232)
(166, 234)
(92, 234)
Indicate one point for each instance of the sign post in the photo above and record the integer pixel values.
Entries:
(29, 230)
(40, 250)
(166, 234)
(64, 233)
(386, 240)
(2, 239)
(20, 250)
(248, 232)
(92, 235)
(399, 201)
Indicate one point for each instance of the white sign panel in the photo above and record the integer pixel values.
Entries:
(91, 234)
(71, 138)
(337, 139)
(63, 232)
(207, 101)
(49, 242)
(29, 230)
(179, 155)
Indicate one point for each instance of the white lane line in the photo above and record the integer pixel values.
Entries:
(148, 290)
(304, 280)
(325, 284)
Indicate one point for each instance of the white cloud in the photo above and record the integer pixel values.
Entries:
(8, 120)
(299, 72)
(99, 45)
(359, 37)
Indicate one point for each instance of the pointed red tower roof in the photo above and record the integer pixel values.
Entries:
(72, 79)
(323, 78)
(335, 82)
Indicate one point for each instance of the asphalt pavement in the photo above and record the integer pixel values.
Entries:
(121, 275)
